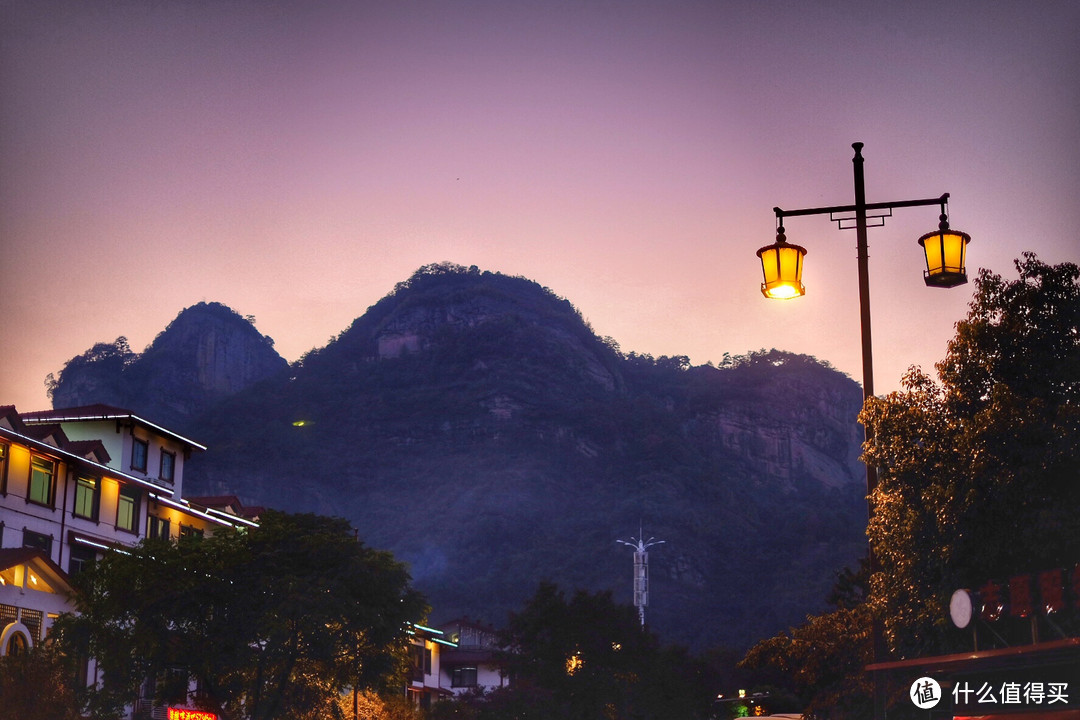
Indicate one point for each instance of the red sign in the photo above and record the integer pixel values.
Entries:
(185, 714)
(1043, 593)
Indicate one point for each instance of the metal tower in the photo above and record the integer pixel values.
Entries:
(641, 570)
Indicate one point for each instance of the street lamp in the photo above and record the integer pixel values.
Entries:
(782, 262)
(782, 265)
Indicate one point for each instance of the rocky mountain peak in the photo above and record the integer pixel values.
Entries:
(208, 352)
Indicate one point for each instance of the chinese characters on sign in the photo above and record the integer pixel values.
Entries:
(1022, 596)
(1011, 693)
(184, 714)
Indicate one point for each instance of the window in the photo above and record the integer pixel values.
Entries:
(42, 485)
(86, 498)
(139, 452)
(82, 558)
(158, 528)
(3, 468)
(127, 509)
(168, 466)
(187, 531)
(463, 677)
(33, 539)
(421, 662)
(17, 645)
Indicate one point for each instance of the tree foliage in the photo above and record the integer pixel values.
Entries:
(979, 479)
(37, 685)
(272, 622)
(822, 660)
(980, 473)
(587, 657)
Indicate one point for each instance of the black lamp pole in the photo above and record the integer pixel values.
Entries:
(860, 209)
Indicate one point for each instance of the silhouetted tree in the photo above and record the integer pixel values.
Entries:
(980, 474)
(272, 622)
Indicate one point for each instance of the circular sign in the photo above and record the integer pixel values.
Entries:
(960, 608)
(925, 693)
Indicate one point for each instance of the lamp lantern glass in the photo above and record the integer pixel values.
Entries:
(946, 257)
(782, 266)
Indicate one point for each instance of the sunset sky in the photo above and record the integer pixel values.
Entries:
(295, 159)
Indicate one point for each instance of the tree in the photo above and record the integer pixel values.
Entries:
(980, 473)
(37, 685)
(822, 660)
(587, 657)
(271, 622)
(978, 479)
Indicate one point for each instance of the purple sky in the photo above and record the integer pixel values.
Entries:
(296, 159)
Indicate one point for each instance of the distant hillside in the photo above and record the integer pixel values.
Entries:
(207, 353)
(474, 424)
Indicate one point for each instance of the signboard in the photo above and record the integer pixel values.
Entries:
(185, 714)
(1020, 596)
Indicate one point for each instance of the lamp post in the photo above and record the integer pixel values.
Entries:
(782, 265)
(944, 249)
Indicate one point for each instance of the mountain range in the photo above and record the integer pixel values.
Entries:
(475, 425)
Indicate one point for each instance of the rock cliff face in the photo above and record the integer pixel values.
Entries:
(207, 353)
(473, 424)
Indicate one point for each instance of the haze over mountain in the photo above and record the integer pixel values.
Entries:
(473, 424)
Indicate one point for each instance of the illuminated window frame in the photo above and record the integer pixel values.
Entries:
(87, 497)
(127, 509)
(157, 528)
(41, 488)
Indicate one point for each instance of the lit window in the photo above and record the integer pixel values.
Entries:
(127, 509)
(17, 645)
(42, 474)
(86, 498)
(139, 452)
(3, 468)
(158, 529)
(168, 466)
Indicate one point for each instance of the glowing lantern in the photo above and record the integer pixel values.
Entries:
(946, 256)
(782, 265)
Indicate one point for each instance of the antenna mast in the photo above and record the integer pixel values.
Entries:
(641, 570)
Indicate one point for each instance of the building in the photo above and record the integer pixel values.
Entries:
(472, 663)
(78, 482)
(426, 645)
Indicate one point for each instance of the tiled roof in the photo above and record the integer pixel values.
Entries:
(101, 411)
(228, 502)
(83, 411)
(44, 432)
(86, 448)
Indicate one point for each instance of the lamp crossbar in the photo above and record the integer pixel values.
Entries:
(855, 208)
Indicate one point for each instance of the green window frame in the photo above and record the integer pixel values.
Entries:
(42, 490)
(86, 498)
(127, 509)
